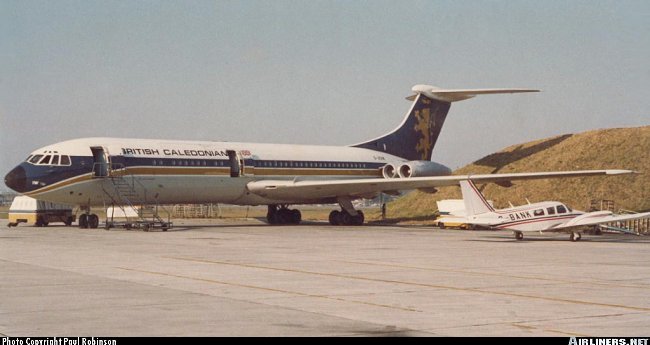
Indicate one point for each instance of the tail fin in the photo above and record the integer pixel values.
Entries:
(416, 136)
(475, 202)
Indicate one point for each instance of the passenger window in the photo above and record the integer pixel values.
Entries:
(550, 210)
(539, 212)
(561, 209)
(65, 160)
(35, 159)
(45, 160)
(55, 160)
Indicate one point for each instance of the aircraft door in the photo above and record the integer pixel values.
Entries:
(101, 162)
(236, 163)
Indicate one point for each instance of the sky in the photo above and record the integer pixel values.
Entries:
(316, 72)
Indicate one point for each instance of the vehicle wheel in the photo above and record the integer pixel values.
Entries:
(441, 225)
(83, 221)
(11, 224)
(93, 221)
(519, 236)
(68, 221)
(296, 216)
(335, 217)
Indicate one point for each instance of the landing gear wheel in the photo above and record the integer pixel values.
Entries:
(575, 236)
(93, 221)
(346, 218)
(83, 221)
(272, 215)
(441, 225)
(358, 219)
(519, 236)
(335, 217)
(296, 216)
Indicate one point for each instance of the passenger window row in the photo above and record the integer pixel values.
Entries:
(49, 159)
(291, 164)
(552, 210)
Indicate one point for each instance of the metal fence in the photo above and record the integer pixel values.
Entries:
(7, 198)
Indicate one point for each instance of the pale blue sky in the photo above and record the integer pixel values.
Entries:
(316, 72)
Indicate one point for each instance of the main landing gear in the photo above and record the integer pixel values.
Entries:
(575, 236)
(281, 214)
(344, 218)
(519, 235)
(347, 215)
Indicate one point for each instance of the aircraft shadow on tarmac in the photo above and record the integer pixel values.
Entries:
(609, 238)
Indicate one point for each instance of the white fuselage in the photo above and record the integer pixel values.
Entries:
(167, 171)
(532, 217)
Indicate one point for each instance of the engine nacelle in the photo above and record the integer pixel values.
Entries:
(389, 171)
(422, 168)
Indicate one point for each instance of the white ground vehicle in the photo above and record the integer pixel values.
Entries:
(37, 212)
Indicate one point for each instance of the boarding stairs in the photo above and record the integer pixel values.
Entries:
(122, 190)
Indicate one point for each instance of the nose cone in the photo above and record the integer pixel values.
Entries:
(17, 180)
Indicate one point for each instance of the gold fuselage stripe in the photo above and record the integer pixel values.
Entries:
(211, 171)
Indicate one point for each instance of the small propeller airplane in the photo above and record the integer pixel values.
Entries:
(547, 216)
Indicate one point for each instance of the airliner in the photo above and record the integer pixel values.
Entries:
(93, 172)
(546, 216)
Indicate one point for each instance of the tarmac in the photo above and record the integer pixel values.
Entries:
(245, 278)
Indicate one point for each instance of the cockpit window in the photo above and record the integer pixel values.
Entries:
(35, 159)
(49, 159)
(561, 209)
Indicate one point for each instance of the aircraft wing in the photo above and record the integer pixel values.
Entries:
(596, 218)
(297, 190)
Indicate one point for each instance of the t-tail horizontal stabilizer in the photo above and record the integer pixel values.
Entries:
(455, 95)
(416, 136)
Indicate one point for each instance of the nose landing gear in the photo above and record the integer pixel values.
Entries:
(88, 221)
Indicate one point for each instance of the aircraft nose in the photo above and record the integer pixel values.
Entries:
(16, 179)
